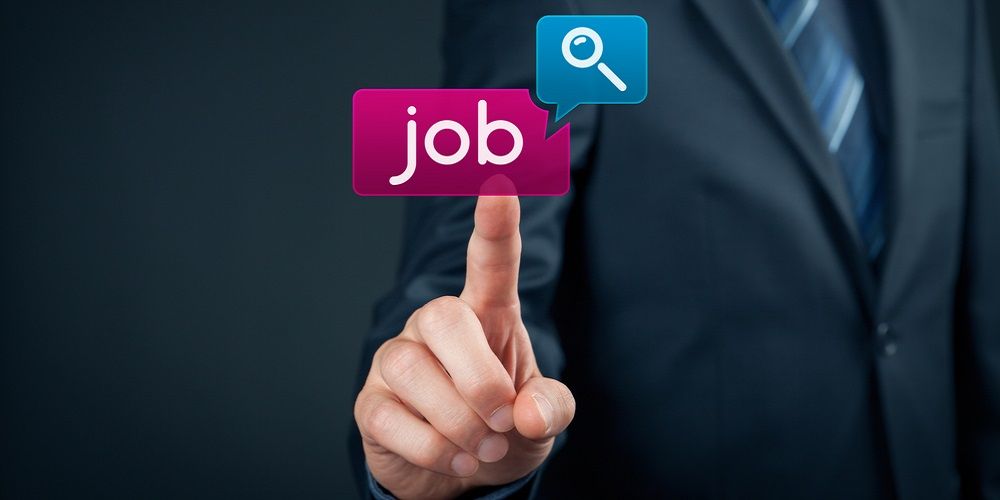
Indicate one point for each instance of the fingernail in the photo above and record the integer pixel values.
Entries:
(544, 409)
(502, 419)
(492, 448)
(464, 464)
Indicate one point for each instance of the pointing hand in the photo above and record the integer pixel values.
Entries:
(456, 400)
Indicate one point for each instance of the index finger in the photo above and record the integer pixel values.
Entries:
(494, 254)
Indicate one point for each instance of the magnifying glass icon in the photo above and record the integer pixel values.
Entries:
(576, 36)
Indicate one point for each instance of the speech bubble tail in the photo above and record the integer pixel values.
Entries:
(564, 109)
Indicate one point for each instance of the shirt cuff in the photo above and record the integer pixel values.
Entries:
(498, 493)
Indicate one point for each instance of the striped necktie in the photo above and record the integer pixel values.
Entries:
(836, 91)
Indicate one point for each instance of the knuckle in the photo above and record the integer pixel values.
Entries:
(461, 425)
(482, 388)
(442, 314)
(359, 409)
(400, 359)
(427, 453)
(378, 421)
(380, 352)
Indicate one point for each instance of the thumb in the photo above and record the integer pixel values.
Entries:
(544, 407)
(494, 254)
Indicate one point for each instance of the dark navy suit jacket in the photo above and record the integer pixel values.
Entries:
(702, 289)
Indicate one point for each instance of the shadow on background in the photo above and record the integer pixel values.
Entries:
(186, 272)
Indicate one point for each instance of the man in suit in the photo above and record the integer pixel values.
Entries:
(779, 276)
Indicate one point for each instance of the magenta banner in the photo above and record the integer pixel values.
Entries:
(450, 142)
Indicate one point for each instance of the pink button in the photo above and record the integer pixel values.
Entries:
(449, 142)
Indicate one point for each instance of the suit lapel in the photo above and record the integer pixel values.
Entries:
(747, 31)
(900, 144)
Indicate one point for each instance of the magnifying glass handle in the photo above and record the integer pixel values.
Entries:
(611, 76)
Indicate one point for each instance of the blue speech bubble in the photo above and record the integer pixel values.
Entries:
(590, 60)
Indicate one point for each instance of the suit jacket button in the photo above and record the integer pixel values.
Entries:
(885, 340)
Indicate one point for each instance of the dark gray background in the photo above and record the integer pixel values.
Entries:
(186, 272)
